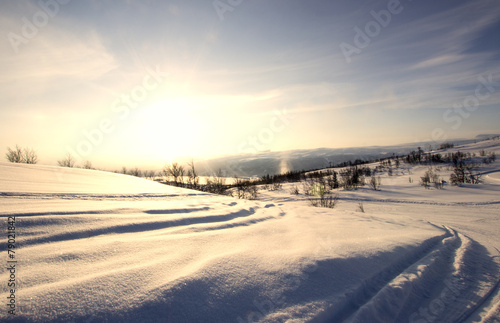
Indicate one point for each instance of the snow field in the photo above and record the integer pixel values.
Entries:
(95, 246)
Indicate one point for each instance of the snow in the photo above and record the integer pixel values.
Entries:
(93, 246)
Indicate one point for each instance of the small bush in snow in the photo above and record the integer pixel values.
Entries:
(490, 158)
(68, 161)
(174, 171)
(375, 183)
(429, 177)
(88, 165)
(351, 178)
(294, 190)
(307, 187)
(18, 155)
(465, 173)
(327, 200)
(276, 186)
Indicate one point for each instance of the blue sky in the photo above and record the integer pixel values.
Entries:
(145, 82)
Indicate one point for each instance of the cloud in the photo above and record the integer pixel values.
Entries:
(56, 53)
(427, 62)
(51, 68)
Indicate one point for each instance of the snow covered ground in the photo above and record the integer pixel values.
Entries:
(93, 246)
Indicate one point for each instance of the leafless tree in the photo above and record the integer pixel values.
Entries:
(193, 178)
(374, 183)
(217, 183)
(30, 156)
(14, 155)
(135, 172)
(19, 155)
(175, 171)
(88, 165)
(68, 161)
(150, 174)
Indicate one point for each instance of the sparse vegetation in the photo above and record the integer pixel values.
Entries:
(431, 177)
(88, 165)
(19, 155)
(294, 190)
(175, 172)
(375, 183)
(351, 178)
(326, 200)
(193, 179)
(465, 173)
(217, 183)
(446, 145)
(68, 161)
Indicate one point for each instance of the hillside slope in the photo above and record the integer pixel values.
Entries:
(93, 246)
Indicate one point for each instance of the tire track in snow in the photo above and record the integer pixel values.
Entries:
(100, 197)
(360, 199)
(445, 280)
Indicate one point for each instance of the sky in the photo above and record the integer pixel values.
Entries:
(124, 83)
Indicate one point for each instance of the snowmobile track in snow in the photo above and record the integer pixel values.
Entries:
(437, 282)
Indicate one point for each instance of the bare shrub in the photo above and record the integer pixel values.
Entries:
(277, 186)
(193, 179)
(351, 178)
(174, 171)
(253, 192)
(246, 189)
(326, 200)
(465, 173)
(307, 187)
(431, 177)
(375, 183)
(30, 156)
(14, 155)
(217, 183)
(88, 165)
(68, 161)
(135, 172)
(19, 155)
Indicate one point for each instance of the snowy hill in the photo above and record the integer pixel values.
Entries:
(267, 162)
(92, 246)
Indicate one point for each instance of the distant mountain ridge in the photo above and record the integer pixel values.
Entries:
(263, 163)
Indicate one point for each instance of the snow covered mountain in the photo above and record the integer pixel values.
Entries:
(91, 246)
(263, 163)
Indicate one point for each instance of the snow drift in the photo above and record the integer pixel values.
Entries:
(92, 246)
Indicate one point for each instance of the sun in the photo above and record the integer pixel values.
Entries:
(171, 127)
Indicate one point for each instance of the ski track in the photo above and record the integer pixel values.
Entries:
(394, 201)
(437, 282)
